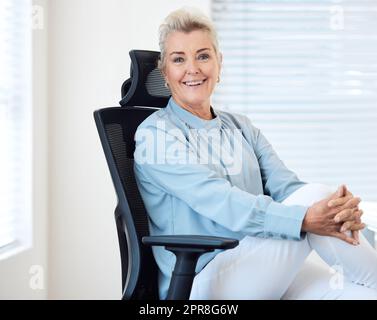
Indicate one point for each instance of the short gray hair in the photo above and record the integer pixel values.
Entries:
(185, 20)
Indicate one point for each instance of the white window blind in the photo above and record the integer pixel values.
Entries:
(305, 72)
(15, 124)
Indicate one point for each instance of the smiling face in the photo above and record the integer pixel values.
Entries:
(191, 69)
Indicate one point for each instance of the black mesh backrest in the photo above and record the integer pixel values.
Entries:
(116, 127)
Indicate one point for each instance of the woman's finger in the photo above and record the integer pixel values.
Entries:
(339, 201)
(345, 238)
(357, 226)
(358, 214)
(347, 226)
(345, 215)
(352, 203)
(342, 190)
(351, 226)
(355, 235)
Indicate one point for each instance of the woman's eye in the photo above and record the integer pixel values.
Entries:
(178, 59)
(203, 57)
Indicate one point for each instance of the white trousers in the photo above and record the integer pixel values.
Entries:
(261, 268)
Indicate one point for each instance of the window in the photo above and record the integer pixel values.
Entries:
(305, 72)
(15, 125)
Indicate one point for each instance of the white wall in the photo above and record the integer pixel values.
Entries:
(14, 271)
(89, 41)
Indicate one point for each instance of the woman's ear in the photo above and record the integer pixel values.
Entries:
(220, 62)
(165, 79)
(161, 67)
(162, 70)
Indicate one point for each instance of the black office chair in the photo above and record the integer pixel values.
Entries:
(142, 95)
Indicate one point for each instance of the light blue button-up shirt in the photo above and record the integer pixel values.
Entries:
(218, 177)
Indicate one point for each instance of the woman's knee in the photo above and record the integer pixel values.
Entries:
(321, 190)
(309, 194)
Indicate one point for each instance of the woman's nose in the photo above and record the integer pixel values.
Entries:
(192, 67)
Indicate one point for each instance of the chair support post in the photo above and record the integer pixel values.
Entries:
(184, 272)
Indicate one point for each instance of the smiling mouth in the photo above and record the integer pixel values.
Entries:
(195, 83)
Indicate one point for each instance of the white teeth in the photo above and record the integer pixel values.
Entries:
(193, 83)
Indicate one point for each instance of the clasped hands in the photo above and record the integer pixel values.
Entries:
(337, 216)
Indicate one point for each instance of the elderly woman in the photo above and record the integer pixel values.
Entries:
(208, 172)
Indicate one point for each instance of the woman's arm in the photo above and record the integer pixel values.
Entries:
(278, 181)
(334, 216)
(209, 194)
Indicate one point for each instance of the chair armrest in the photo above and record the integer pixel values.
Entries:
(187, 249)
(191, 241)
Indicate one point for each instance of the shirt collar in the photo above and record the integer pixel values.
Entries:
(192, 120)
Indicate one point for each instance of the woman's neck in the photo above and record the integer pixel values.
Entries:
(203, 112)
